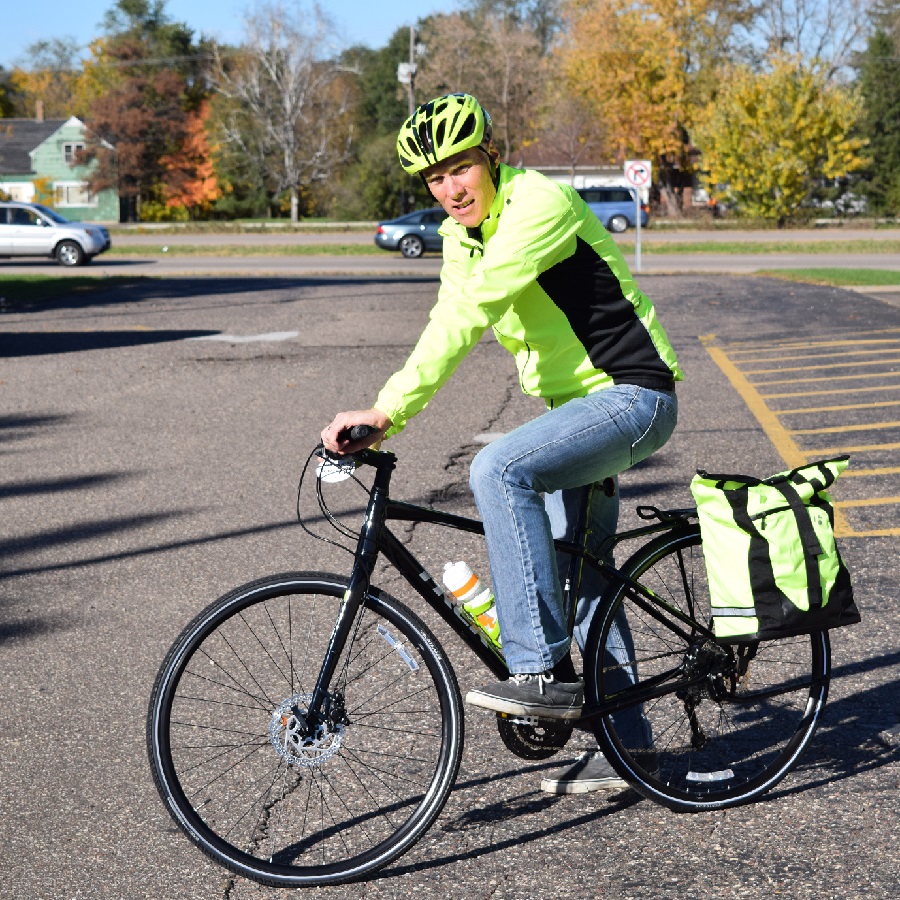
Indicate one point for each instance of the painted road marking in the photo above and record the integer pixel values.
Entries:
(248, 338)
(793, 438)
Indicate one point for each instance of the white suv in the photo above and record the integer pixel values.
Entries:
(29, 229)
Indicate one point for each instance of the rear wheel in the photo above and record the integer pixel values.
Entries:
(704, 725)
(412, 246)
(246, 778)
(617, 224)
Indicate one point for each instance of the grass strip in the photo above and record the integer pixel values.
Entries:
(837, 277)
(248, 250)
(751, 248)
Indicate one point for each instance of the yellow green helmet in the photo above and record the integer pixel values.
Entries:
(441, 128)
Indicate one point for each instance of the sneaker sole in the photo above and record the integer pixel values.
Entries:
(583, 787)
(512, 708)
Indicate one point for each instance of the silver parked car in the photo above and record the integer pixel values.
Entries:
(29, 229)
(413, 233)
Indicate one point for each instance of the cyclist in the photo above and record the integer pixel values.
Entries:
(524, 256)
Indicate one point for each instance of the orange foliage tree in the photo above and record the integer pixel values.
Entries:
(190, 179)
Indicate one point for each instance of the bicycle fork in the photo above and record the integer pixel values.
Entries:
(322, 705)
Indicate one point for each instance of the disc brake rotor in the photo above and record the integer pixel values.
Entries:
(294, 742)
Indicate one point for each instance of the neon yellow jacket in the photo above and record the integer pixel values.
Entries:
(551, 282)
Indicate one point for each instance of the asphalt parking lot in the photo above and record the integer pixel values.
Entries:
(151, 439)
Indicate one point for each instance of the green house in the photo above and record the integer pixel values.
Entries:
(38, 165)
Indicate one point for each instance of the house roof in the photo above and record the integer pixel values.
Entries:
(18, 137)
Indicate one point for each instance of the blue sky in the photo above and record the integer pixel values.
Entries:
(22, 23)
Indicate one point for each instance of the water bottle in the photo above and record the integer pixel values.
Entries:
(478, 601)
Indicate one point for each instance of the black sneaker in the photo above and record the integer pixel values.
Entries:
(538, 695)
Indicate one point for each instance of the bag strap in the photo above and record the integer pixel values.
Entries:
(812, 549)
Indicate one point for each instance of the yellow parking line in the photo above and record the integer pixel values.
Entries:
(866, 473)
(838, 390)
(778, 434)
(847, 365)
(791, 343)
(839, 429)
(830, 355)
(872, 501)
(829, 378)
(819, 409)
(780, 437)
(877, 532)
(863, 448)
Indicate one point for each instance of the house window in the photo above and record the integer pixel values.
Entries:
(73, 193)
(70, 152)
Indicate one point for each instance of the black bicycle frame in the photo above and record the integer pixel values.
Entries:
(376, 538)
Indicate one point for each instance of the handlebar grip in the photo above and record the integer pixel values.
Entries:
(359, 432)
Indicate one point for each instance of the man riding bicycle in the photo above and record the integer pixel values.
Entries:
(524, 256)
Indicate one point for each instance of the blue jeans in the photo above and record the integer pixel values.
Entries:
(560, 454)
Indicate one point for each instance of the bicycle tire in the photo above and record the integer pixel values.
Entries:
(718, 743)
(247, 793)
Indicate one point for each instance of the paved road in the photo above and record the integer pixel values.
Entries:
(145, 472)
(394, 265)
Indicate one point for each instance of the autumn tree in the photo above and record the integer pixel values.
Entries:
(494, 57)
(149, 73)
(288, 102)
(49, 77)
(643, 67)
(770, 137)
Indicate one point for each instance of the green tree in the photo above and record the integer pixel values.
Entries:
(770, 137)
(6, 101)
(879, 85)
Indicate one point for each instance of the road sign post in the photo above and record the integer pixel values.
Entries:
(638, 173)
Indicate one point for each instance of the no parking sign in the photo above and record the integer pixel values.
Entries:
(638, 173)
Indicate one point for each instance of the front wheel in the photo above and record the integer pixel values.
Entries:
(702, 725)
(259, 791)
(69, 253)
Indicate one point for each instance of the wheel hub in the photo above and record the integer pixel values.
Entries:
(297, 742)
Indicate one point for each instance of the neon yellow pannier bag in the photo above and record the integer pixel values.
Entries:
(773, 567)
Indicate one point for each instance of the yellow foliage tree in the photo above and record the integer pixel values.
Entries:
(644, 66)
(768, 137)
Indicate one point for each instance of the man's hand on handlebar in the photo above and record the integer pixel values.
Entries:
(336, 438)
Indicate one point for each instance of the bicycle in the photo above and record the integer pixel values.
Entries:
(307, 728)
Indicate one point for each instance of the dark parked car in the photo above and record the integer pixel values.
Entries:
(413, 233)
(29, 229)
(614, 207)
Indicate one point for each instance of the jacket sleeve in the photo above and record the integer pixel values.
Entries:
(531, 235)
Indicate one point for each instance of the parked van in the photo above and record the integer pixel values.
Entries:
(614, 207)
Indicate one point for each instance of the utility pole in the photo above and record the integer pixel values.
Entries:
(406, 72)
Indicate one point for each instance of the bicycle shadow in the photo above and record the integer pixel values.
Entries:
(506, 810)
(844, 746)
